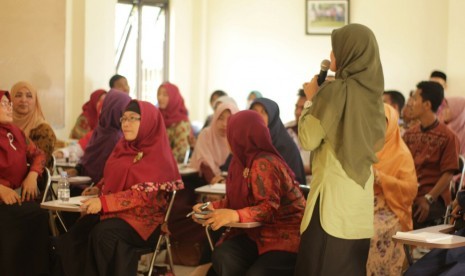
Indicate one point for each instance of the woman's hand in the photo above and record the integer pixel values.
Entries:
(217, 179)
(9, 196)
(29, 187)
(311, 88)
(221, 217)
(92, 205)
(196, 209)
(90, 191)
(58, 154)
(71, 172)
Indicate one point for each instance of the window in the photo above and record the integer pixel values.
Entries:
(141, 43)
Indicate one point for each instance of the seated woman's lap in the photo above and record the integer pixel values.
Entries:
(239, 256)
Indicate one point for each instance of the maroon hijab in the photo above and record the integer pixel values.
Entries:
(176, 111)
(89, 109)
(148, 158)
(13, 162)
(248, 137)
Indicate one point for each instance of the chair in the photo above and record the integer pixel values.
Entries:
(455, 187)
(50, 193)
(305, 189)
(164, 239)
(243, 225)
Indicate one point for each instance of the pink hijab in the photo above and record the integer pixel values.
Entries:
(35, 118)
(457, 119)
(176, 111)
(211, 148)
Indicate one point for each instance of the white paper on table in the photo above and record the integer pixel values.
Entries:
(424, 236)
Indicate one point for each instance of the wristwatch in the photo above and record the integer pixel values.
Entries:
(429, 198)
(307, 104)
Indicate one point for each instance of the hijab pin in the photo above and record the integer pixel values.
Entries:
(10, 138)
(245, 173)
(138, 157)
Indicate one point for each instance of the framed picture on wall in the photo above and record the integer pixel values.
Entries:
(323, 16)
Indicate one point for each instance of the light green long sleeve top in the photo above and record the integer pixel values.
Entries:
(346, 209)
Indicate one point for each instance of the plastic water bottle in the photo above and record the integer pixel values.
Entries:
(63, 187)
(72, 153)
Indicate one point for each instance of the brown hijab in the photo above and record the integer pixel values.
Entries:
(350, 108)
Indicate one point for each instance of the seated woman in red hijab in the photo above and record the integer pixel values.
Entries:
(23, 225)
(132, 202)
(260, 187)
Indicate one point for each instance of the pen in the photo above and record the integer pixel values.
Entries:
(202, 207)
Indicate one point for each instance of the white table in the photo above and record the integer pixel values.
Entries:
(74, 180)
(186, 170)
(217, 189)
(73, 205)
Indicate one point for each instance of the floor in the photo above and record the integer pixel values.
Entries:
(180, 270)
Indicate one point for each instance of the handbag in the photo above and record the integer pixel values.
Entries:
(185, 253)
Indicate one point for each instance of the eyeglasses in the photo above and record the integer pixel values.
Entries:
(129, 119)
(7, 105)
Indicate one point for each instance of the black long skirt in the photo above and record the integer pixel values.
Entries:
(24, 240)
(321, 254)
(94, 247)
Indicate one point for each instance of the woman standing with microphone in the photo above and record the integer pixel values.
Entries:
(343, 124)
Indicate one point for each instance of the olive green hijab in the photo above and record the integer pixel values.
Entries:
(350, 108)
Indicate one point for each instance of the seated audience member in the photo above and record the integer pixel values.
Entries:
(88, 119)
(214, 96)
(395, 99)
(177, 123)
(105, 136)
(445, 262)
(252, 96)
(223, 99)
(24, 226)
(132, 202)
(395, 189)
(261, 188)
(435, 149)
(293, 130)
(455, 119)
(119, 83)
(28, 116)
(212, 150)
(269, 111)
(441, 78)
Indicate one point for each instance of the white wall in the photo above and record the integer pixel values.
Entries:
(89, 54)
(245, 45)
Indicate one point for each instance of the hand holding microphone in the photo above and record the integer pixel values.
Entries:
(311, 88)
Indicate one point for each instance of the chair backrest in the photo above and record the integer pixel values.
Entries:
(48, 181)
(462, 171)
(170, 205)
(305, 190)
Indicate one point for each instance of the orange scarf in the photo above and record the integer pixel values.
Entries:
(396, 172)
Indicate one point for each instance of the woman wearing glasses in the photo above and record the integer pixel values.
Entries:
(132, 200)
(23, 249)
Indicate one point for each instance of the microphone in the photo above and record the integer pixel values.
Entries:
(323, 71)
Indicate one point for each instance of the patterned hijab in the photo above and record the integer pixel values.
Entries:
(350, 108)
(106, 134)
(248, 136)
(457, 119)
(282, 141)
(211, 148)
(13, 163)
(89, 109)
(148, 158)
(176, 111)
(35, 118)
